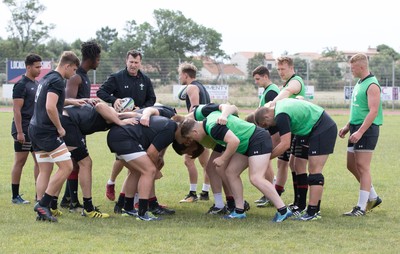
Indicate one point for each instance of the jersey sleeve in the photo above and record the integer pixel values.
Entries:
(19, 91)
(283, 123)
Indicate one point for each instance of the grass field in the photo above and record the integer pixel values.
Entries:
(190, 230)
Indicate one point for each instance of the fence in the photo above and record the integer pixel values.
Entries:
(329, 90)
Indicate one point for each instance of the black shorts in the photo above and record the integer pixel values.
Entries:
(368, 140)
(120, 142)
(300, 147)
(322, 138)
(24, 147)
(219, 148)
(260, 143)
(44, 140)
(74, 138)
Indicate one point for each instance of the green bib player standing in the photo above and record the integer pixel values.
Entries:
(365, 118)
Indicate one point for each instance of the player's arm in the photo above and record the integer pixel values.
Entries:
(146, 114)
(154, 156)
(72, 86)
(343, 131)
(282, 125)
(52, 112)
(17, 106)
(74, 102)
(293, 87)
(226, 110)
(232, 143)
(194, 96)
(282, 146)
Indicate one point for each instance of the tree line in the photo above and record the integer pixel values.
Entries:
(173, 39)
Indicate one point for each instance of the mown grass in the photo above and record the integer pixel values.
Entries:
(190, 230)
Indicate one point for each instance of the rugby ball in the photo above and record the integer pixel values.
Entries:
(182, 93)
(127, 104)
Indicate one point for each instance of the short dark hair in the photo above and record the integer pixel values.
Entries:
(181, 148)
(260, 70)
(90, 50)
(32, 58)
(134, 53)
(186, 126)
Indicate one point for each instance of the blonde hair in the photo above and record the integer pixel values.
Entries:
(285, 59)
(188, 68)
(360, 57)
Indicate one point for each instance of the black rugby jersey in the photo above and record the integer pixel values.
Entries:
(51, 82)
(25, 89)
(204, 97)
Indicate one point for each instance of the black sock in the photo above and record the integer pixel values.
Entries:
(279, 189)
(239, 210)
(312, 209)
(282, 210)
(230, 202)
(128, 206)
(73, 190)
(67, 196)
(54, 203)
(143, 205)
(88, 205)
(153, 203)
(46, 199)
(302, 189)
(15, 190)
(121, 200)
(319, 206)
(192, 193)
(294, 179)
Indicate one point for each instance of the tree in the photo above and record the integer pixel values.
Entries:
(27, 32)
(327, 74)
(256, 60)
(333, 54)
(174, 38)
(106, 37)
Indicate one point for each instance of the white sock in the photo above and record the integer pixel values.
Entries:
(219, 202)
(109, 182)
(193, 187)
(206, 187)
(136, 198)
(372, 194)
(363, 199)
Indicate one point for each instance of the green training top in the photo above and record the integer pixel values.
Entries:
(303, 114)
(303, 87)
(271, 87)
(242, 129)
(359, 102)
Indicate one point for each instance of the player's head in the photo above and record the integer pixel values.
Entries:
(32, 58)
(91, 51)
(68, 64)
(264, 117)
(187, 72)
(33, 65)
(194, 149)
(261, 75)
(359, 65)
(187, 128)
(285, 67)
